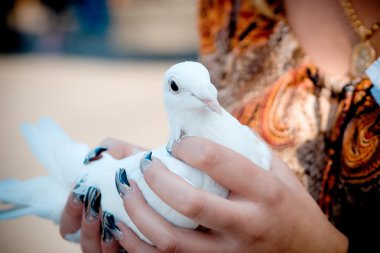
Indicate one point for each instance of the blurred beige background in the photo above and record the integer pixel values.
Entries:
(91, 99)
(75, 61)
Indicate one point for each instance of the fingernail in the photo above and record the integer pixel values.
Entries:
(145, 161)
(78, 191)
(169, 149)
(109, 228)
(106, 235)
(122, 251)
(92, 204)
(122, 185)
(77, 199)
(94, 154)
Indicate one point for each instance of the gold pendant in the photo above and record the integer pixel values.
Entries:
(363, 55)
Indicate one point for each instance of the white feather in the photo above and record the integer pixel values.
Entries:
(190, 111)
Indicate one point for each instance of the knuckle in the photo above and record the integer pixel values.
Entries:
(208, 156)
(193, 205)
(169, 244)
(232, 220)
(276, 194)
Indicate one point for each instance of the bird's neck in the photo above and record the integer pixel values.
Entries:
(193, 123)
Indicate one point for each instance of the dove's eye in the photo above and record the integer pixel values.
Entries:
(173, 86)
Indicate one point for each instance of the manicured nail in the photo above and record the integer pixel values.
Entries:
(92, 204)
(77, 198)
(94, 154)
(78, 192)
(121, 250)
(109, 228)
(169, 149)
(145, 161)
(122, 185)
(106, 235)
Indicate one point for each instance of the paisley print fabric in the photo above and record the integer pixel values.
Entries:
(328, 132)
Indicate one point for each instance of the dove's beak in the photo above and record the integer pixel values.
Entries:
(213, 105)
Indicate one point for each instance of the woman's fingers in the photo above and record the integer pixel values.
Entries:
(91, 238)
(71, 216)
(227, 167)
(90, 233)
(206, 209)
(151, 224)
(110, 247)
(131, 243)
(120, 149)
(160, 232)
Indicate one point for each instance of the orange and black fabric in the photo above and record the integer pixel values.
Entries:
(327, 129)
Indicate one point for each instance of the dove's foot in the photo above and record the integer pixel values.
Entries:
(94, 154)
(109, 228)
(169, 146)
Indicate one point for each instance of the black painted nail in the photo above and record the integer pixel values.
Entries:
(169, 149)
(77, 198)
(109, 228)
(145, 161)
(122, 185)
(94, 154)
(79, 190)
(121, 250)
(92, 204)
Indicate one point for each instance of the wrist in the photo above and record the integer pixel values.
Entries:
(319, 237)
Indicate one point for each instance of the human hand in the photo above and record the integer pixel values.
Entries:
(265, 211)
(86, 216)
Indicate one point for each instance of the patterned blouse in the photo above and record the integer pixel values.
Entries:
(326, 129)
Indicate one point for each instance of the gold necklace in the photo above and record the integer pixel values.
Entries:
(363, 53)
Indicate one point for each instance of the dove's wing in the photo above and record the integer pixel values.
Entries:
(55, 150)
(61, 157)
(261, 154)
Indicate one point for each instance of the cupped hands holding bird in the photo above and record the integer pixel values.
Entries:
(266, 211)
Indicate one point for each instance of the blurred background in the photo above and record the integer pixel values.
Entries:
(96, 68)
(108, 28)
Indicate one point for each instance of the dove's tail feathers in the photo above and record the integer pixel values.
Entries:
(40, 196)
(55, 150)
(14, 212)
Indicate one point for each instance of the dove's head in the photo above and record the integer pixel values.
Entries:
(188, 88)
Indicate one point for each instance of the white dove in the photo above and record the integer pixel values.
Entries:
(192, 108)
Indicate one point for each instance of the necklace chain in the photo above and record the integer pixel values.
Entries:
(363, 53)
(364, 32)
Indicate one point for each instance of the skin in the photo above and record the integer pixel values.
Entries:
(265, 211)
(330, 43)
(73, 216)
